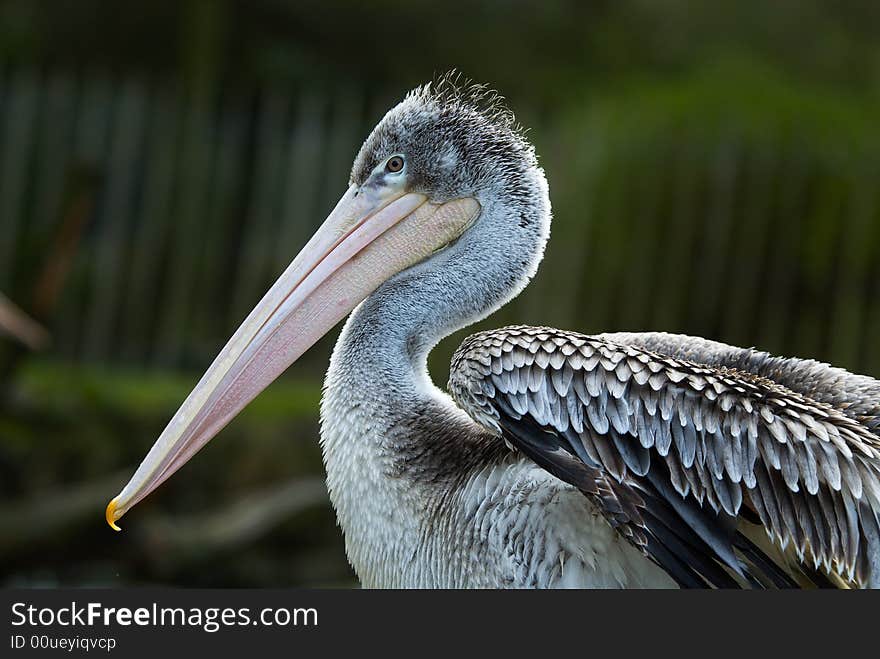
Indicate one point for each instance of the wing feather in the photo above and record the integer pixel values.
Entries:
(682, 442)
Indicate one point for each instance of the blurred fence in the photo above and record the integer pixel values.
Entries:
(142, 224)
(190, 207)
(733, 206)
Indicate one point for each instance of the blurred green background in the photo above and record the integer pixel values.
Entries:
(713, 169)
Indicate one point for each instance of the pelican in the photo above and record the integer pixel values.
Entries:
(554, 459)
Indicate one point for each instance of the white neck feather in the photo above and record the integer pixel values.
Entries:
(380, 410)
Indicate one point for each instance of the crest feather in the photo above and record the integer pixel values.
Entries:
(455, 91)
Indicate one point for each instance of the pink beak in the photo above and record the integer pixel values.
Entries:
(370, 236)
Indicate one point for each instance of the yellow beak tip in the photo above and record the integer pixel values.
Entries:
(110, 514)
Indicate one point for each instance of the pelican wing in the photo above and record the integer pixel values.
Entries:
(688, 447)
(857, 396)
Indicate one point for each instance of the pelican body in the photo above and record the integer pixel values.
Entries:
(553, 459)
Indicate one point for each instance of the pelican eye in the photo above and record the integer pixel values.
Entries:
(394, 164)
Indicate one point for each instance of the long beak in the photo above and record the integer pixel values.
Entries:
(369, 237)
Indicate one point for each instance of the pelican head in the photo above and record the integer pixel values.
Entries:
(445, 182)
